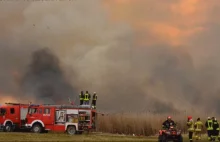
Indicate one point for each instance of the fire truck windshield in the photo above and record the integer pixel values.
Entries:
(32, 110)
(2, 111)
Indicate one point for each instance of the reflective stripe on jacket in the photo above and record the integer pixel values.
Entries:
(86, 98)
(190, 125)
(209, 125)
(198, 126)
(81, 97)
(94, 97)
(215, 125)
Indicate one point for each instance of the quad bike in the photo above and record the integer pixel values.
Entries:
(171, 134)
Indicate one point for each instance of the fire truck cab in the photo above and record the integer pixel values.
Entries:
(60, 118)
(12, 115)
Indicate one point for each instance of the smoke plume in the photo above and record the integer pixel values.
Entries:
(45, 79)
(137, 55)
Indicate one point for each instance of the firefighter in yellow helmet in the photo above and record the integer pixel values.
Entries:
(198, 129)
(190, 125)
(209, 127)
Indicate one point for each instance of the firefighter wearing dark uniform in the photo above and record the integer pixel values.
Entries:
(209, 127)
(190, 125)
(81, 97)
(215, 128)
(169, 122)
(86, 98)
(94, 98)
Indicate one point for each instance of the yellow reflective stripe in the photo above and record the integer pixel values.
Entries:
(86, 97)
(80, 96)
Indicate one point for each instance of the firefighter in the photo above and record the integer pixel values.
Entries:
(209, 127)
(89, 97)
(190, 125)
(94, 98)
(198, 129)
(215, 129)
(81, 97)
(86, 98)
(169, 122)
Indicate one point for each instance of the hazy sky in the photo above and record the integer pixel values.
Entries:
(136, 54)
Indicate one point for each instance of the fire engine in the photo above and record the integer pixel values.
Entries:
(61, 118)
(12, 116)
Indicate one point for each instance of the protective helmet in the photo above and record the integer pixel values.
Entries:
(94, 92)
(209, 117)
(189, 117)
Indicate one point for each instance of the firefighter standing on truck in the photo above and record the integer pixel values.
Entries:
(209, 126)
(81, 97)
(190, 125)
(94, 98)
(86, 98)
(215, 129)
(198, 129)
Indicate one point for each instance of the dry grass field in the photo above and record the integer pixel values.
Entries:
(60, 137)
(146, 124)
(111, 127)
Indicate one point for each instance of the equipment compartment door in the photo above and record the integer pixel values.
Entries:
(13, 115)
(48, 118)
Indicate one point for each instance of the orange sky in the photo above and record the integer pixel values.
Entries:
(7, 98)
(168, 21)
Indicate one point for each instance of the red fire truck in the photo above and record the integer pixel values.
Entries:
(60, 118)
(12, 115)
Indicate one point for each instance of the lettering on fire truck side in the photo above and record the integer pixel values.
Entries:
(46, 114)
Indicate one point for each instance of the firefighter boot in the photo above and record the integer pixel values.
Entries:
(196, 137)
(213, 138)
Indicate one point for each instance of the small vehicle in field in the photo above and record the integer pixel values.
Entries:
(172, 134)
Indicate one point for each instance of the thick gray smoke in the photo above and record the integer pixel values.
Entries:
(45, 79)
(106, 56)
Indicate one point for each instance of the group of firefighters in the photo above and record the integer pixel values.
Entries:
(85, 99)
(212, 127)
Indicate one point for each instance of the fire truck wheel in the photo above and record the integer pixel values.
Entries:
(37, 128)
(71, 130)
(8, 127)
